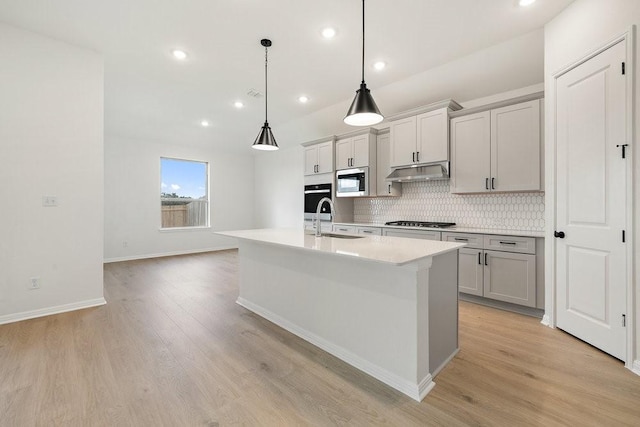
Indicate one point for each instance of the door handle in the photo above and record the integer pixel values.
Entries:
(413, 156)
(559, 234)
(479, 258)
(485, 259)
(389, 188)
(486, 183)
(417, 156)
(493, 183)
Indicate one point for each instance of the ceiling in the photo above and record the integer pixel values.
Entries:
(151, 96)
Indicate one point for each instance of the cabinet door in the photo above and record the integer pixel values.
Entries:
(310, 160)
(412, 234)
(344, 153)
(403, 141)
(510, 277)
(360, 151)
(470, 271)
(325, 157)
(433, 136)
(384, 188)
(515, 147)
(470, 153)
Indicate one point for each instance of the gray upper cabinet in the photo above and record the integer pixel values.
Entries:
(318, 158)
(423, 138)
(385, 188)
(497, 150)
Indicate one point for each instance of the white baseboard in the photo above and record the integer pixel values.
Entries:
(164, 254)
(416, 391)
(546, 321)
(636, 367)
(16, 317)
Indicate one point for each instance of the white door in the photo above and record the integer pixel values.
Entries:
(433, 136)
(344, 152)
(591, 201)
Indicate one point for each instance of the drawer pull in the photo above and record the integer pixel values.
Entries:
(367, 231)
(461, 239)
(508, 243)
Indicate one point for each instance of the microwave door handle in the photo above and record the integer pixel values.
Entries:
(316, 191)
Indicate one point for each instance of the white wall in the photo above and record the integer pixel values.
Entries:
(51, 143)
(132, 199)
(279, 185)
(581, 28)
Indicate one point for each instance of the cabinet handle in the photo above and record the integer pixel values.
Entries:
(485, 259)
(461, 239)
(417, 156)
(479, 258)
(413, 156)
(493, 183)
(486, 183)
(389, 188)
(559, 234)
(367, 231)
(508, 243)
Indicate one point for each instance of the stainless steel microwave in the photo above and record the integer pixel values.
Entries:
(352, 182)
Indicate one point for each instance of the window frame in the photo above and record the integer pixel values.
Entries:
(207, 199)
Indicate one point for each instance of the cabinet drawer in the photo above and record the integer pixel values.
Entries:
(413, 234)
(472, 240)
(344, 228)
(370, 231)
(525, 245)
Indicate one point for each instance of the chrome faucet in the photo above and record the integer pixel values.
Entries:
(333, 214)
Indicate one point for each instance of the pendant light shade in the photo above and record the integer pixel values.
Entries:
(363, 110)
(265, 140)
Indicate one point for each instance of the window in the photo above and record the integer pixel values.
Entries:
(184, 193)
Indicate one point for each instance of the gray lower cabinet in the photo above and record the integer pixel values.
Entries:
(369, 231)
(344, 228)
(470, 271)
(508, 274)
(412, 234)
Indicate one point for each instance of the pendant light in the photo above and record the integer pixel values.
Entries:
(265, 139)
(363, 110)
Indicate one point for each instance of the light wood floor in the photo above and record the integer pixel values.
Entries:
(171, 348)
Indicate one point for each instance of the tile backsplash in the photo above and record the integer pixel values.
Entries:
(432, 201)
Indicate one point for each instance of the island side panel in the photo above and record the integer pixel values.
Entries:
(443, 310)
(362, 312)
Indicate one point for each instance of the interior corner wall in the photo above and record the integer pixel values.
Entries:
(132, 199)
(582, 27)
(51, 144)
(279, 185)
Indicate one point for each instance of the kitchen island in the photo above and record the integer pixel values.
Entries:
(386, 305)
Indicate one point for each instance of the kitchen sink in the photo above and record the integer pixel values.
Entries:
(342, 236)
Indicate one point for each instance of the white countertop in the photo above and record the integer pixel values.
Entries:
(454, 229)
(383, 249)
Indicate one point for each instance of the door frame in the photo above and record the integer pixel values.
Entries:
(550, 315)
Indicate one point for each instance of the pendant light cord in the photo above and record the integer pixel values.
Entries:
(266, 89)
(362, 41)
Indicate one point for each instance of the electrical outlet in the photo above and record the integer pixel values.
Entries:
(49, 201)
(34, 283)
(125, 244)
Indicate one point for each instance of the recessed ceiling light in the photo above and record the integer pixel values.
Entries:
(178, 54)
(526, 2)
(238, 104)
(205, 123)
(380, 65)
(328, 33)
(303, 99)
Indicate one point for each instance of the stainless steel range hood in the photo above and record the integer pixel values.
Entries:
(431, 171)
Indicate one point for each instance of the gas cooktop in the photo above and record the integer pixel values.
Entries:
(421, 224)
